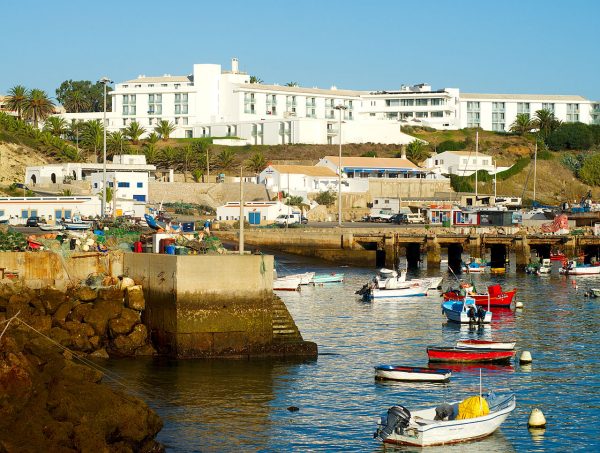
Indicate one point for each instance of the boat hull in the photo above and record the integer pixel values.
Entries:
(502, 300)
(591, 270)
(331, 278)
(467, 355)
(485, 344)
(377, 293)
(286, 284)
(403, 373)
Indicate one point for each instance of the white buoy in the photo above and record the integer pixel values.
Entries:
(519, 304)
(525, 357)
(536, 419)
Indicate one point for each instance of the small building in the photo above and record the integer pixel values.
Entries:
(462, 163)
(255, 212)
(499, 218)
(17, 209)
(374, 167)
(298, 179)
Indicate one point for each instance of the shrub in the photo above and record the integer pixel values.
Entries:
(515, 169)
(571, 136)
(460, 183)
(369, 154)
(590, 170)
(326, 198)
(572, 162)
(450, 145)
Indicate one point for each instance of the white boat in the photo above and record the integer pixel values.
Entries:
(408, 373)
(76, 226)
(334, 277)
(546, 266)
(421, 429)
(386, 275)
(466, 310)
(286, 284)
(485, 344)
(408, 289)
(305, 278)
(575, 268)
(49, 227)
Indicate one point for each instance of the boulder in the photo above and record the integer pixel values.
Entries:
(61, 313)
(123, 346)
(52, 299)
(86, 294)
(134, 298)
(79, 312)
(79, 328)
(81, 343)
(61, 336)
(139, 336)
(110, 293)
(123, 324)
(18, 304)
(38, 306)
(146, 350)
(127, 282)
(103, 311)
(100, 354)
(95, 341)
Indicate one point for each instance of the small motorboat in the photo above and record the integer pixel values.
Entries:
(459, 421)
(305, 278)
(474, 267)
(460, 354)
(50, 227)
(576, 268)
(495, 297)
(389, 275)
(77, 225)
(334, 277)
(497, 270)
(557, 256)
(286, 284)
(486, 344)
(466, 311)
(408, 373)
(545, 267)
(406, 289)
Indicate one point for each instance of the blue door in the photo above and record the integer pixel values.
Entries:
(254, 218)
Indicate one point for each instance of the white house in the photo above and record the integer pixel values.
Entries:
(18, 209)
(462, 163)
(255, 212)
(298, 180)
(374, 167)
(130, 171)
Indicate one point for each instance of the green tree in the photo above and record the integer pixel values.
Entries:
(153, 137)
(56, 125)
(570, 136)
(134, 131)
(168, 157)
(369, 154)
(76, 101)
(545, 122)
(75, 130)
(294, 201)
(326, 198)
(38, 106)
(93, 137)
(198, 175)
(188, 158)
(416, 152)
(257, 162)
(116, 142)
(164, 128)
(590, 170)
(254, 79)
(92, 93)
(17, 100)
(522, 124)
(291, 84)
(151, 152)
(225, 158)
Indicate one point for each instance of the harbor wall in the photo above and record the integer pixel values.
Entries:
(206, 306)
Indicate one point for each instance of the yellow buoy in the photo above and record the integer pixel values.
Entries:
(536, 419)
(525, 357)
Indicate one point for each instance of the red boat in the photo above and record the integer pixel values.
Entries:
(441, 354)
(557, 256)
(495, 297)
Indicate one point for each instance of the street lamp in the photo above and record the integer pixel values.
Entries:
(104, 81)
(341, 108)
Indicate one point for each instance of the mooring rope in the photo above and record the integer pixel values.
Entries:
(7, 321)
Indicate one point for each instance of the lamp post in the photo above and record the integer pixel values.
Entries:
(104, 81)
(341, 108)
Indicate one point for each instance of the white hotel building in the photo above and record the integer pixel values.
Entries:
(223, 103)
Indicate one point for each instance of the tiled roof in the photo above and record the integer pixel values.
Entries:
(523, 97)
(298, 90)
(307, 170)
(372, 162)
(159, 79)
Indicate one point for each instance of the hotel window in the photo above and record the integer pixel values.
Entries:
(311, 102)
(271, 104)
(249, 100)
(181, 103)
(421, 102)
(138, 86)
(150, 85)
(151, 120)
(523, 108)
(155, 104)
(189, 133)
(572, 113)
(176, 120)
(177, 85)
(498, 122)
(391, 115)
(125, 86)
(185, 120)
(421, 114)
(140, 185)
(548, 106)
(129, 104)
(290, 104)
(407, 102)
(437, 101)
(473, 114)
(164, 85)
(349, 104)
(122, 184)
(437, 114)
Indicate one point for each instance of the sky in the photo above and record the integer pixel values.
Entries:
(496, 46)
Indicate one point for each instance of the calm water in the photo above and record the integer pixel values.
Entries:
(241, 405)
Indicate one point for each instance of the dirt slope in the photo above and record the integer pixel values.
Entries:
(13, 160)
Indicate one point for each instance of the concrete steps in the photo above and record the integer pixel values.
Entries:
(284, 327)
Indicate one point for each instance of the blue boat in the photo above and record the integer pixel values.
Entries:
(328, 278)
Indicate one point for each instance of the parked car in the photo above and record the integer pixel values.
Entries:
(415, 218)
(398, 219)
(32, 222)
(286, 219)
(303, 220)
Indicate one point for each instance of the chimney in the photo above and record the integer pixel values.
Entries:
(403, 151)
(235, 65)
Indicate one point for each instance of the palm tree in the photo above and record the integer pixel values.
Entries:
(77, 101)
(56, 125)
(522, 124)
(151, 153)
(16, 100)
(291, 84)
(545, 122)
(153, 138)
(225, 158)
(164, 128)
(168, 156)
(116, 142)
(254, 79)
(93, 136)
(416, 152)
(257, 162)
(134, 131)
(75, 130)
(188, 158)
(38, 106)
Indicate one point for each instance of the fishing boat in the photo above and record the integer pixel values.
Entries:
(465, 310)
(459, 421)
(334, 277)
(50, 227)
(497, 270)
(408, 289)
(389, 275)
(74, 225)
(486, 344)
(575, 267)
(454, 354)
(286, 284)
(495, 297)
(474, 267)
(545, 267)
(408, 373)
(305, 278)
(557, 256)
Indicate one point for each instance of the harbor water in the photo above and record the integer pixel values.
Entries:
(242, 405)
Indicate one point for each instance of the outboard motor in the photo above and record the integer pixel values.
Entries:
(398, 417)
(472, 314)
(363, 290)
(481, 314)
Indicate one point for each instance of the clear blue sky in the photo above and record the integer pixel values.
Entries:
(502, 46)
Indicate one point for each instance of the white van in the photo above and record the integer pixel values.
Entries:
(415, 218)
